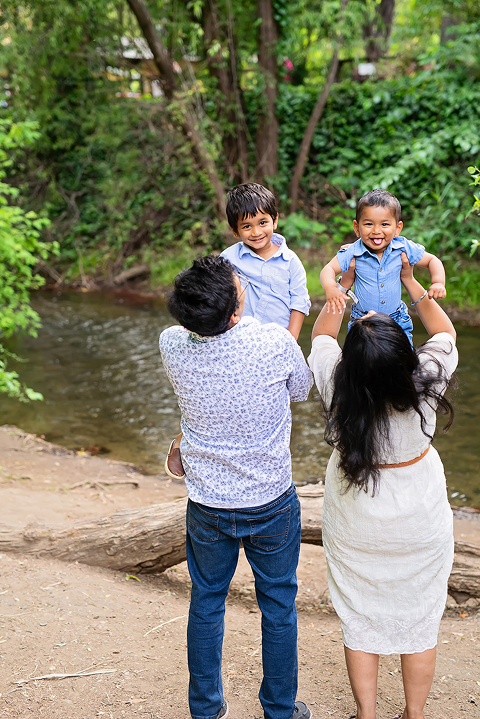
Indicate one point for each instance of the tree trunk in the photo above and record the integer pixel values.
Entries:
(168, 82)
(267, 133)
(317, 113)
(152, 539)
(235, 143)
(446, 34)
(307, 138)
(377, 32)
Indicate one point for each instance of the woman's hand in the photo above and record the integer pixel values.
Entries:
(406, 273)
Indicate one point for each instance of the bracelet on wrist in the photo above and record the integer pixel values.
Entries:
(420, 298)
(350, 294)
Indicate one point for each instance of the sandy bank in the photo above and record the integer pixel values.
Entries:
(64, 617)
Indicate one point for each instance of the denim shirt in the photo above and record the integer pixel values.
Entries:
(377, 282)
(234, 392)
(277, 285)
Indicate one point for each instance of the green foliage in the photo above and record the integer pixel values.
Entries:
(120, 183)
(20, 249)
(302, 231)
(475, 176)
(412, 136)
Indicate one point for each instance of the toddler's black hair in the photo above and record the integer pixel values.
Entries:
(248, 200)
(379, 198)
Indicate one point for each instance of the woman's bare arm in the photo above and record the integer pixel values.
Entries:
(434, 319)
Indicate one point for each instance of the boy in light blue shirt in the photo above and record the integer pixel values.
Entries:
(377, 260)
(272, 276)
(277, 283)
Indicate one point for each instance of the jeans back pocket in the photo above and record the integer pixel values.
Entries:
(270, 532)
(202, 524)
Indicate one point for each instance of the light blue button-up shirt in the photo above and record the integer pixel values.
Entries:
(277, 285)
(234, 392)
(377, 282)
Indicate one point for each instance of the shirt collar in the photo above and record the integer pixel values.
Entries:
(361, 249)
(278, 240)
(198, 339)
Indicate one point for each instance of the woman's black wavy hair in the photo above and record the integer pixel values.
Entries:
(379, 370)
(205, 296)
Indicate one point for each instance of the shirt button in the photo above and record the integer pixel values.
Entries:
(381, 269)
(381, 285)
(383, 302)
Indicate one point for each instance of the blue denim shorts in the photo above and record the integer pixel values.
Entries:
(401, 317)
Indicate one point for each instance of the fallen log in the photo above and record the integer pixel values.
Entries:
(131, 274)
(149, 539)
(152, 539)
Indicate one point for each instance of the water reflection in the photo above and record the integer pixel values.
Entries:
(96, 361)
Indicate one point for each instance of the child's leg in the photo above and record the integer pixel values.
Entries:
(173, 461)
(403, 319)
(354, 315)
(362, 672)
(417, 671)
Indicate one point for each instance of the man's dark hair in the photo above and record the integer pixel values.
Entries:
(248, 200)
(205, 296)
(379, 198)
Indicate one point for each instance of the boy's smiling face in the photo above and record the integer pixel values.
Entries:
(377, 227)
(256, 231)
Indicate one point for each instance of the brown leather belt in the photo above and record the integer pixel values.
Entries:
(404, 464)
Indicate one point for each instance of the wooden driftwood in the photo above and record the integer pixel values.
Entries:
(152, 539)
(149, 539)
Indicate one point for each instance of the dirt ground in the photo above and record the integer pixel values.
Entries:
(68, 618)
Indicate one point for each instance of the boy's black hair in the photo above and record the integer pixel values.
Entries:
(205, 296)
(248, 200)
(379, 198)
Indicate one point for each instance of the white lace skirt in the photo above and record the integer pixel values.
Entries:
(389, 557)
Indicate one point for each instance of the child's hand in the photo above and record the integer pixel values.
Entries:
(437, 291)
(336, 300)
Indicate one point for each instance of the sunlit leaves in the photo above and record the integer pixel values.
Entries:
(20, 250)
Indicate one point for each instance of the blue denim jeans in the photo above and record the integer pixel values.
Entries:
(271, 539)
(401, 317)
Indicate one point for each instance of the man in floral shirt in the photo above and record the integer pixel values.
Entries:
(234, 380)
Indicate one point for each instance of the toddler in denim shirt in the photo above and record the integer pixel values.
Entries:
(376, 258)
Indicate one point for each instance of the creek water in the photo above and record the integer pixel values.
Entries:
(96, 362)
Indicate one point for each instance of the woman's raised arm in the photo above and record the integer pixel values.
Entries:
(329, 323)
(434, 319)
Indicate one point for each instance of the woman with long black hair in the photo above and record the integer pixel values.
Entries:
(387, 523)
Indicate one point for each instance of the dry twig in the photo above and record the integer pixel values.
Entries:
(84, 673)
(101, 483)
(163, 624)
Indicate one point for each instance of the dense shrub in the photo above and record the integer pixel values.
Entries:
(414, 136)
